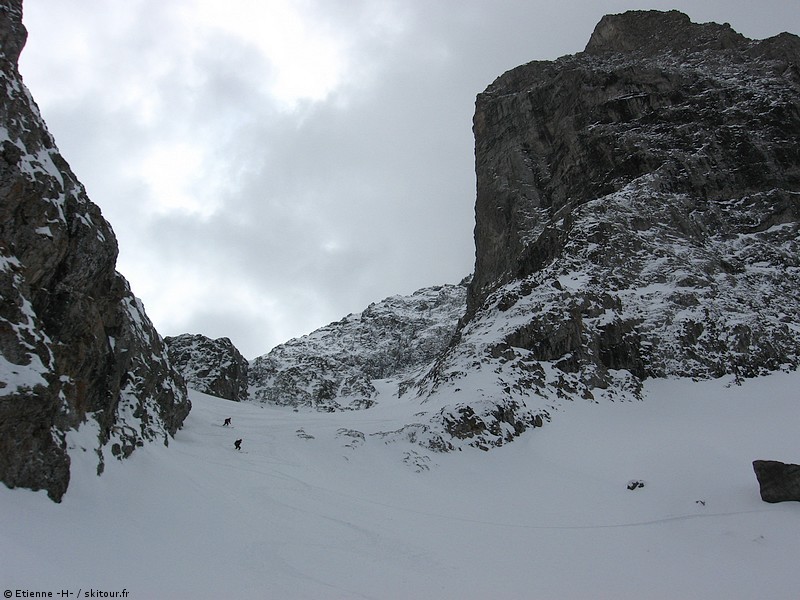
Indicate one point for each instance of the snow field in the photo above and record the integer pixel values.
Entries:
(547, 516)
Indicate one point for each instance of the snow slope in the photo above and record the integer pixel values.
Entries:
(310, 509)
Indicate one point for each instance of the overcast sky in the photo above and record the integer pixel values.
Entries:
(270, 166)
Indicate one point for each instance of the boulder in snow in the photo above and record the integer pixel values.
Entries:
(779, 482)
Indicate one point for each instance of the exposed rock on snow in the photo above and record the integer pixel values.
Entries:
(418, 462)
(301, 433)
(778, 482)
(334, 367)
(75, 344)
(213, 367)
(636, 216)
(351, 438)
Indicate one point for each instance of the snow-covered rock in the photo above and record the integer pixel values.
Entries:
(637, 216)
(334, 367)
(213, 367)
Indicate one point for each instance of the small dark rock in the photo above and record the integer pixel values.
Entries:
(779, 482)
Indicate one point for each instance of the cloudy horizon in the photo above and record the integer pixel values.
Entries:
(271, 166)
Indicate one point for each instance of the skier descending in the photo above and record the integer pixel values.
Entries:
(227, 422)
(238, 444)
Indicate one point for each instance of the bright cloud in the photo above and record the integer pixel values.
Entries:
(172, 172)
(307, 58)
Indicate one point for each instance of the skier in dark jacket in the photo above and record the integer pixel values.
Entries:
(238, 444)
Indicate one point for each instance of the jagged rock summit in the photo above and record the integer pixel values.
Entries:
(336, 366)
(636, 216)
(652, 32)
(76, 347)
(213, 367)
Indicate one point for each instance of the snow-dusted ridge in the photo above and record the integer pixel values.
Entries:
(336, 366)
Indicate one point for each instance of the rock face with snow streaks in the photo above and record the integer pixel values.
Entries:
(76, 347)
(636, 216)
(213, 367)
(334, 367)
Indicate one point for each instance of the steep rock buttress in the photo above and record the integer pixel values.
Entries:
(637, 215)
(76, 347)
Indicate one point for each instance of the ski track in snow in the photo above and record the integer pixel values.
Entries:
(557, 527)
(547, 516)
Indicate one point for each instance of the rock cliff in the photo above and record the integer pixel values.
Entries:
(636, 216)
(335, 367)
(76, 347)
(213, 367)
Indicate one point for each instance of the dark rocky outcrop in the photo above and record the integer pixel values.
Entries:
(637, 215)
(700, 108)
(76, 347)
(662, 133)
(778, 482)
(213, 367)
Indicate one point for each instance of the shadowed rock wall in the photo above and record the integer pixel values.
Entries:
(75, 345)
